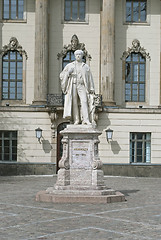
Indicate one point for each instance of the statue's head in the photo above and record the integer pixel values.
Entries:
(78, 52)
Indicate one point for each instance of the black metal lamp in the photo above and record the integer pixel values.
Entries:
(38, 132)
(109, 134)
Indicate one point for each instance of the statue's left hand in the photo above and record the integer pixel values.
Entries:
(91, 92)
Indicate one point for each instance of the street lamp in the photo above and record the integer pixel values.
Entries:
(38, 132)
(109, 133)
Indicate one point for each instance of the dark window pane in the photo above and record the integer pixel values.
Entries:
(143, 11)
(135, 11)
(14, 157)
(6, 134)
(82, 9)
(139, 136)
(74, 9)
(6, 9)
(67, 10)
(128, 11)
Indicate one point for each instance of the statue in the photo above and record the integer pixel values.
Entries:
(78, 87)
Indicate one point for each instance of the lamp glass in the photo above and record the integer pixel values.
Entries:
(109, 133)
(38, 133)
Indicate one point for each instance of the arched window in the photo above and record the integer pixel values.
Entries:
(135, 73)
(135, 78)
(12, 68)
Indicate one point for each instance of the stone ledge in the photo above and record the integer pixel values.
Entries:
(43, 196)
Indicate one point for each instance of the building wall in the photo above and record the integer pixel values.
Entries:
(123, 122)
(25, 122)
(149, 37)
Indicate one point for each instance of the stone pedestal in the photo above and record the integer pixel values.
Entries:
(80, 178)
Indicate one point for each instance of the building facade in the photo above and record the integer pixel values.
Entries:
(121, 41)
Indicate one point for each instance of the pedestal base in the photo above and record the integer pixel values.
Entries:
(79, 197)
(80, 178)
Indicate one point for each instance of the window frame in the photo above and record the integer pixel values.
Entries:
(16, 80)
(132, 82)
(136, 48)
(85, 21)
(23, 53)
(24, 20)
(10, 139)
(143, 141)
(147, 22)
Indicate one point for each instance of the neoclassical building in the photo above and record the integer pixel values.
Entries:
(121, 42)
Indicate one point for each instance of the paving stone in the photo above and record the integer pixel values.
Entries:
(22, 218)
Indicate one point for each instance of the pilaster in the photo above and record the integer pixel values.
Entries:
(107, 51)
(41, 52)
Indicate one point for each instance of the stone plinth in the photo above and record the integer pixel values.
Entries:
(80, 178)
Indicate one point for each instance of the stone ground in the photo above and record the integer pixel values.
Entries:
(136, 219)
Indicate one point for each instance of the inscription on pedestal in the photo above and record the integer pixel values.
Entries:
(80, 154)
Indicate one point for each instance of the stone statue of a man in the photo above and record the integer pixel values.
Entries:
(78, 87)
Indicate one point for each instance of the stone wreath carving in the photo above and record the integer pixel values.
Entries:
(13, 46)
(73, 46)
(136, 48)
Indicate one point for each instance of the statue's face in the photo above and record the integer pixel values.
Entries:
(78, 56)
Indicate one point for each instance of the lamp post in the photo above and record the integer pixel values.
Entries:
(109, 134)
(38, 132)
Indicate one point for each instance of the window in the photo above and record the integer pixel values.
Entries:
(135, 78)
(140, 147)
(13, 9)
(12, 68)
(74, 10)
(8, 146)
(136, 11)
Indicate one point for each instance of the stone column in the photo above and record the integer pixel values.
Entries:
(107, 51)
(41, 52)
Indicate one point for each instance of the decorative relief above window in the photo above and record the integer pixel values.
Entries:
(73, 46)
(136, 48)
(13, 46)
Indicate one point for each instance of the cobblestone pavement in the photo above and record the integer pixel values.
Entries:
(21, 217)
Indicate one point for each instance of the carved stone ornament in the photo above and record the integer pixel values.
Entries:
(13, 46)
(136, 48)
(55, 100)
(73, 46)
(53, 117)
